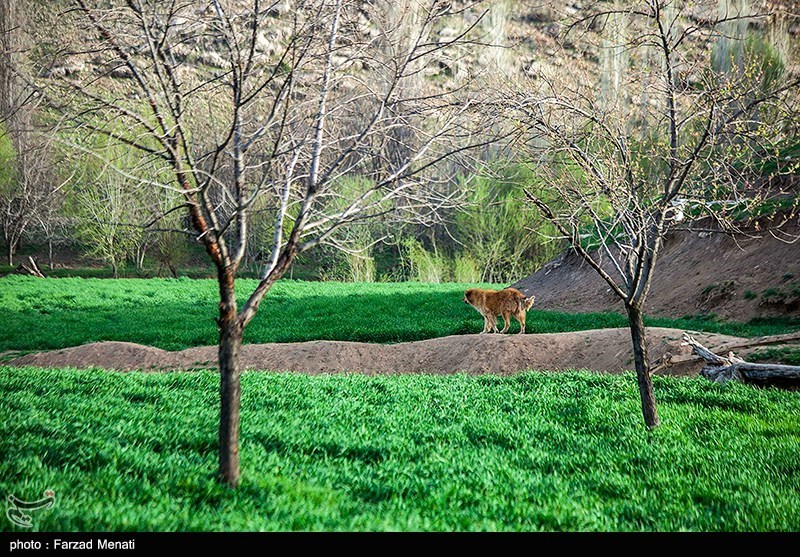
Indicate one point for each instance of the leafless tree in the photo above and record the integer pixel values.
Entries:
(617, 173)
(103, 211)
(31, 183)
(33, 186)
(268, 105)
(52, 224)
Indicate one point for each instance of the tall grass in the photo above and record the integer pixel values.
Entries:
(466, 269)
(424, 265)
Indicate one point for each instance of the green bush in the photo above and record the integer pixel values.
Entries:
(466, 269)
(8, 163)
(499, 230)
(424, 266)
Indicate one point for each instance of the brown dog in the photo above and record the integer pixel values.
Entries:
(494, 303)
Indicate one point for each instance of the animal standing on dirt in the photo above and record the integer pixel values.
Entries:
(494, 303)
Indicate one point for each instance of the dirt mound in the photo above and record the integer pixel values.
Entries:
(601, 350)
(734, 278)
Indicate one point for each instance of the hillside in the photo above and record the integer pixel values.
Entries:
(737, 278)
(509, 39)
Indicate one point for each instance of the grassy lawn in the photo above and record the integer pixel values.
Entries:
(536, 451)
(176, 314)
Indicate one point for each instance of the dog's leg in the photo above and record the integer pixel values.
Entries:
(506, 321)
(521, 318)
(485, 324)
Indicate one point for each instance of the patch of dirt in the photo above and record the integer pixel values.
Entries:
(697, 272)
(606, 350)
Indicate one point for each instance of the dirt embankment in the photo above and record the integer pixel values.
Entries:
(735, 278)
(601, 350)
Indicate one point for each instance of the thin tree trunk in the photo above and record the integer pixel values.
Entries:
(50, 253)
(230, 341)
(10, 251)
(642, 365)
(114, 269)
(141, 251)
(8, 38)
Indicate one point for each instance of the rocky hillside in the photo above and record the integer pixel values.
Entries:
(512, 38)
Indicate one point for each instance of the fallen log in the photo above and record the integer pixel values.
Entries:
(669, 359)
(30, 268)
(721, 369)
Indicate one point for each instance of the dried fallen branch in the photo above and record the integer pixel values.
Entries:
(721, 369)
(28, 269)
(669, 359)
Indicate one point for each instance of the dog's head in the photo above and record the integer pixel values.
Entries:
(469, 295)
(528, 303)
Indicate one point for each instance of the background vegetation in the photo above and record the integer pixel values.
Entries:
(490, 235)
(493, 236)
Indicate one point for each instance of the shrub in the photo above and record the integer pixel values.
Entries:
(423, 265)
(466, 269)
(503, 235)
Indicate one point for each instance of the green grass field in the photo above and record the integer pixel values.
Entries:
(537, 451)
(532, 452)
(175, 314)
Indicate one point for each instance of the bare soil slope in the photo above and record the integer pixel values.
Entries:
(601, 350)
(736, 279)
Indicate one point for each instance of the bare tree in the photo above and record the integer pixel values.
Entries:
(171, 246)
(271, 106)
(104, 217)
(9, 54)
(29, 181)
(52, 224)
(617, 176)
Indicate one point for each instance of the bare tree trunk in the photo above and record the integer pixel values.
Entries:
(230, 341)
(642, 365)
(114, 268)
(50, 253)
(141, 251)
(8, 35)
(10, 251)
